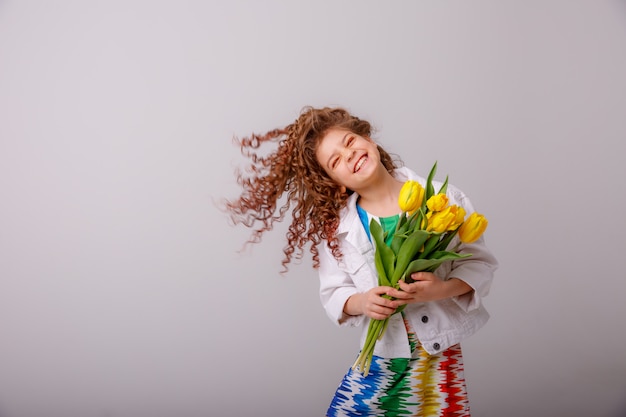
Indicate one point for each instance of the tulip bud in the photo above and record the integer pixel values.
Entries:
(437, 202)
(472, 228)
(411, 196)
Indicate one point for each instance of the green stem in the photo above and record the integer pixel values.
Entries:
(364, 360)
(382, 332)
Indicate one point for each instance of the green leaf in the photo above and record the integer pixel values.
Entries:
(387, 257)
(433, 263)
(419, 265)
(399, 236)
(430, 190)
(449, 256)
(380, 270)
(401, 221)
(444, 187)
(396, 243)
(408, 251)
(430, 245)
(411, 218)
(445, 242)
(417, 223)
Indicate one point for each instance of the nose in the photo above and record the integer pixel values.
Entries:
(348, 154)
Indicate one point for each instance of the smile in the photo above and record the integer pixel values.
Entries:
(360, 163)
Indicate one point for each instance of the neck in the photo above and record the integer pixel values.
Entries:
(381, 198)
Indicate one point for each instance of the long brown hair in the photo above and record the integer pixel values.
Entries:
(293, 169)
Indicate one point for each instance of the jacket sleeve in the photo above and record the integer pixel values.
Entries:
(477, 270)
(336, 286)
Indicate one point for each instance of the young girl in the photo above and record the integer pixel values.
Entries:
(335, 179)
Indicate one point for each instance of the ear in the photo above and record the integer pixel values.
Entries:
(343, 189)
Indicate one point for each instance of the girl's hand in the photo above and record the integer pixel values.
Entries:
(427, 287)
(371, 303)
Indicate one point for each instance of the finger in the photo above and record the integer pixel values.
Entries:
(383, 302)
(411, 288)
(418, 276)
(382, 290)
(399, 295)
(398, 303)
(380, 312)
(377, 316)
(423, 276)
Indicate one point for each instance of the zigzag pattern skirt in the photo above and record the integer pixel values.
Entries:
(424, 385)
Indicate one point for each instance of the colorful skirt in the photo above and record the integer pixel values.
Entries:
(424, 385)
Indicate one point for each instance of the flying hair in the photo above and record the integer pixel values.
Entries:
(290, 178)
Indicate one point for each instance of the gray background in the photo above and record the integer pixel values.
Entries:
(123, 292)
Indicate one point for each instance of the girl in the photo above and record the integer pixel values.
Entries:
(336, 179)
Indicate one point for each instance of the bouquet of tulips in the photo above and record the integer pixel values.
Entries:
(426, 226)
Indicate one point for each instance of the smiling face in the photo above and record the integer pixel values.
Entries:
(349, 159)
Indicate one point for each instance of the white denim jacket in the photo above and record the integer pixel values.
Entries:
(438, 324)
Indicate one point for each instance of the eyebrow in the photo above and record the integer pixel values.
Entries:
(343, 142)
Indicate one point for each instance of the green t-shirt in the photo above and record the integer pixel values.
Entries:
(388, 224)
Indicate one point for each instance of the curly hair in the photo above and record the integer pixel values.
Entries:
(293, 169)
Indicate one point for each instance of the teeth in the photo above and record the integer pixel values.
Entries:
(360, 163)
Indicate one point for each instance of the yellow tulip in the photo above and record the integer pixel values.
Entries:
(442, 221)
(459, 217)
(437, 202)
(411, 196)
(473, 228)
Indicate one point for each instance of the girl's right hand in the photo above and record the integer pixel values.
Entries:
(371, 303)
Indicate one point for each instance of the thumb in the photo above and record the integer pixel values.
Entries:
(419, 276)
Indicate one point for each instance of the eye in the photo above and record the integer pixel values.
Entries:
(351, 139)
(334, 162)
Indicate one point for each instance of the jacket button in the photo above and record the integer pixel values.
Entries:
(436, 346)
(424, 319)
